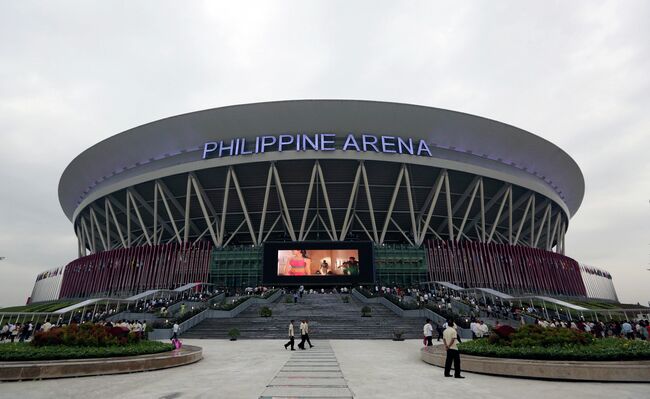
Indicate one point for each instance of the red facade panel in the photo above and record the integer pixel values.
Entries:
(128, 271)
(508, 268)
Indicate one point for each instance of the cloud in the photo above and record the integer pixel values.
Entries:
(74, 73)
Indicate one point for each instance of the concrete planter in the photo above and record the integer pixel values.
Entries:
(38, 370)
(623, 371)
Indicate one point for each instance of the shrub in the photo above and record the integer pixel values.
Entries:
(266, 311)
(188, 315)
(366, 293)
(535, 335)
(501, 335)
(233, 333)
(160, 324)
(365, 311)
(504, 331)
(536, 342)
(232, 305)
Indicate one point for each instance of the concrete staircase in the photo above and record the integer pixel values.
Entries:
(329, 318)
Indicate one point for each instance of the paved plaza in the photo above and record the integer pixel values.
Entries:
(334, 369)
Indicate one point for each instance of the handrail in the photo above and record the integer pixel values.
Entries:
(208, 313)
(422, 313)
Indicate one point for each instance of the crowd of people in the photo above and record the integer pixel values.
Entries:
(161, 305)
(476, 308)
(629, 329)
(20, 331)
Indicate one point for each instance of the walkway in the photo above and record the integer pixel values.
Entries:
(244, 369)
(310, 373)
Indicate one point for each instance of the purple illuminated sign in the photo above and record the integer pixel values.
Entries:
(315, 142)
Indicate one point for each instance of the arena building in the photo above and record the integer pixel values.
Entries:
(323, 192)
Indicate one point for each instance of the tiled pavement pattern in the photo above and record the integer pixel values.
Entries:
(310, 373)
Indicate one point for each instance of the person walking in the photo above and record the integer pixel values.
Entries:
(24, 333)
(307, 334)
(428, 333)
(301, 345)
(291, 339)
(450, 338)
(14, 329)
(304, 335)
(626, 330)
(439, 330)
(175, 329)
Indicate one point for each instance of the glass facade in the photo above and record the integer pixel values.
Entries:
(239, 266)
(400, 265)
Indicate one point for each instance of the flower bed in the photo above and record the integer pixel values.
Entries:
(87, 334)
(27, 352)
(81, 342)
(538, 343)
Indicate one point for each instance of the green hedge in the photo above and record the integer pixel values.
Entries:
(599, 350)
(231, 305)
(23, 351)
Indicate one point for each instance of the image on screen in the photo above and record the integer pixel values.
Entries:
(318, 262)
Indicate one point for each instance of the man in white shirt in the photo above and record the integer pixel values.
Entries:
(450, 339)
(291, 338)
(483, 329)
(4, 333)
(304, 335)
(474, 327)
(427, 330)
(175, 330)
(137, 327)
(46, 326)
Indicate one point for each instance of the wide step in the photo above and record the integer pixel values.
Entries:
(329, 318)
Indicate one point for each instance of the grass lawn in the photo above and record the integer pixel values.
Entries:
(39, 307)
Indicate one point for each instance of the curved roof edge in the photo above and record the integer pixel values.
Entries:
(485, 139)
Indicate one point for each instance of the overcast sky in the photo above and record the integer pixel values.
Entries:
(575, 73)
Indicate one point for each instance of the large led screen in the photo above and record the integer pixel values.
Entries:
(318, 262)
